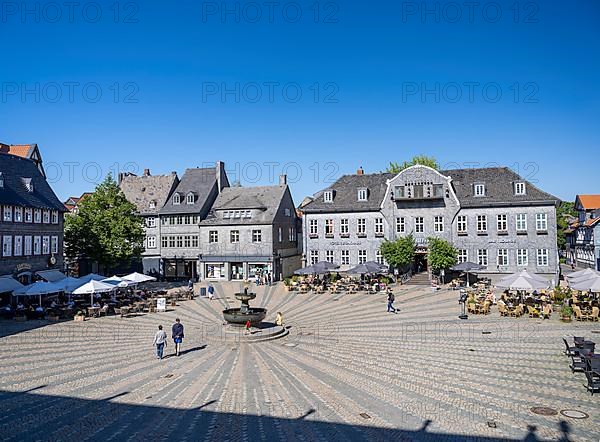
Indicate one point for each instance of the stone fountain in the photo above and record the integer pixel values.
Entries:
(239, 316)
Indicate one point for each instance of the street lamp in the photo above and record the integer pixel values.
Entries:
(462, 300)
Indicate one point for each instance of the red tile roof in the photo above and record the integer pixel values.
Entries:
(589, 201)
(20, 150)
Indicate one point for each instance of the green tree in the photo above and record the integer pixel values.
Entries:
(106, 228)
(419, 159)
(563, 212)
(442, 255)
(399, 253)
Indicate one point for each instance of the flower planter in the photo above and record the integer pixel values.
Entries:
(79, 318)
(565, 318)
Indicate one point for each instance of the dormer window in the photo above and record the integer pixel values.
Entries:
(520, 188)
(28, 182)
(176, 199)
(328, 196)
(153, 204)
(226, 214)
(479, 189)
(363, 194)
(190, 198)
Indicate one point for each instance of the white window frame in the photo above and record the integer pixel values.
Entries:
(361, 226)
(234, 236)
(37, 216)
(462, 224)
(379, 230)
(55, 217)
(257, 236)
(462, 256)
(482, 257)
(379, 257)
(502, 257)
(18, 215)
(213, 236)
(190, 199)
(329, 223)
(438, 224)
(7, 241)
(344, 226)
(27, 245)
(520, 188)
(481, 223)
(280, 234)
(151, 242)
(314, 227)
(37, 245)
(314, 257)
(46, 217)
(502, 222)
(28, 218)
(345, 257)
(54, 245)
(542, 257)
(7, 214)
(151, 222)
(541, 222)
(328, 196)
(419, 224)
(400, 224)
(176, 199)
(45, 245)
(521, 222)
(479, 189)
(362, 194)
(522, 257)
(362, 256)
(329, 256)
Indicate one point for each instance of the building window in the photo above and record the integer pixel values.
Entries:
(195, 241)
(328, 196)
(46, 216)
(400, 225)
(187, 241)
(379, 226)
(172, 241)
(329, 256)
(461, 224)
(520, 188)
(291, 234)
(45, 245)
(502, 257)
(502, 222)
(18, 245)
(479, 189)
(151, 222)
(37, 245)
(328, 227)
(8, 214)
(482, 257)
(482, 223)
(344, 227)
(521, 221)
(164, 242)
(151, 242)
(419, 224)
(363, 194)
(541, 222)
(463, 255)
(345, 257)
(179, 241)
(54, 245)
(522, 258)
(257, 236)
(28, 244)
(152, 204)
(55, 217)
(234, 236)
(314, 227)
(18, 214)
(190, 199)
(362, 256)
(280, 234)
(361, 226)
(176, 199)
(287, 212)
(314, 257)
(37, 216)
(542, 257)
(28, 215)
(379, 257)
(7, 245)
(438, 224)
(213, 236)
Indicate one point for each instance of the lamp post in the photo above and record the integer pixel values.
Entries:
(462, 300)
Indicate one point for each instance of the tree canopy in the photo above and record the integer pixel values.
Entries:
(418, 159)
(106, 228)
(399, 253)
(563, 212)
(442, 255)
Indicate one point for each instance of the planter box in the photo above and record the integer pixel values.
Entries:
(79, 318)
(565, 318)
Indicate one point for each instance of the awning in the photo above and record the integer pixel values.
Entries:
(51, 275)
(8, 284)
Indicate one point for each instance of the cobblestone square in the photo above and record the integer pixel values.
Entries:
(347, 371)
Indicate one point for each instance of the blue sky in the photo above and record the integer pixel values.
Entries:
(317, 95)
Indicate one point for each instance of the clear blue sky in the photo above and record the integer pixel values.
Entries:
(371, 61)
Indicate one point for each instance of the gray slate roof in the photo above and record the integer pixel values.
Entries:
(16, 171)
(266, 199)
(346, 194)
(142, 190)
(499, 185)
(200, 181)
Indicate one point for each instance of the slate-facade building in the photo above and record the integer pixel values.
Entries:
(583, 235)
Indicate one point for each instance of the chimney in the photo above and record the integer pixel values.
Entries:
(283, 180)
(146, 172)
(220, 170)
(360, 171)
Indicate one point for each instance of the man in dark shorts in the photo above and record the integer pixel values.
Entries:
(177, 332)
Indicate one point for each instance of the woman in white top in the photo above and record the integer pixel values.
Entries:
(160, 341)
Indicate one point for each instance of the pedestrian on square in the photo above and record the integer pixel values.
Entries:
(247, 327)
(390, 301)
(177, 332)
(270, 278)
(211, 292)
(160, 341)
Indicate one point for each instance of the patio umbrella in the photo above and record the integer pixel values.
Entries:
(138, 277)
(507, 280)
(91, 277)
(585, 272)
(318, 268)
(118, 282)
(92, 287)
(367, 268)
(69, 284)
(583, 277)
(38, 289)
(467, 267)
(592, 285)
(523, 283)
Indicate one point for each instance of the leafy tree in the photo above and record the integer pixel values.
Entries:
(399, 253)
(419, 159)
(106, 228)
(442, 255)
(563, 212)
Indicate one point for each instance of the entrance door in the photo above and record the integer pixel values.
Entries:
(420, 264)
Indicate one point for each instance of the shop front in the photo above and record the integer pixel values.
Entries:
(180, 268)
(234, 268)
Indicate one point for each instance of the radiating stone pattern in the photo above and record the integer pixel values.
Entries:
(419, 375)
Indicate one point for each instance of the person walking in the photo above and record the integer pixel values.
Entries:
(211, 292)
(270, 278)
(390, 301)
(177, 332)
(160, 341)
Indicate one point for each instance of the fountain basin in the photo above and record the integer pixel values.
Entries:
(235, 316)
